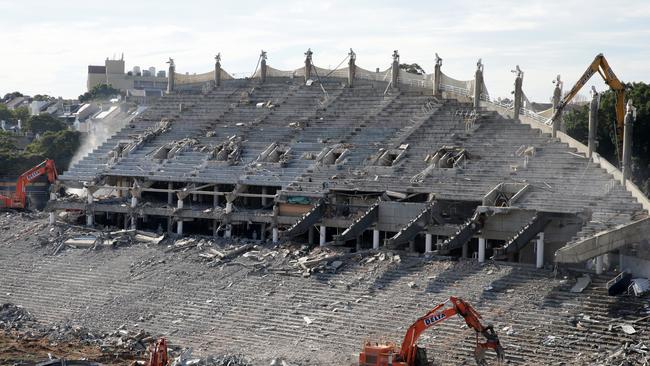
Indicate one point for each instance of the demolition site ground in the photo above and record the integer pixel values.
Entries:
(248, 302)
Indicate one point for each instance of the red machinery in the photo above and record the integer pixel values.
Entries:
(409, 354)
(158, 356)
(19, 199)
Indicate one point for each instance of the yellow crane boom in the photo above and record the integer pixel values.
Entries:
(600, 66)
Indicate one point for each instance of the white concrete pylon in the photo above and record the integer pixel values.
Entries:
(539, 263)
(52, 216)
(134, 203)
(599, 264)
(323, 237)
(481, 250)
(428, 243)
(228, 232)
(375, 239)
(179, 224)
(275, 235)
(89, 200)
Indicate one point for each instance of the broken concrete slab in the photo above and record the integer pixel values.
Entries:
(581, 284)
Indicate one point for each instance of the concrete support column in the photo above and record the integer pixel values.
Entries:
(134, 219)
(170, 195)
(179, 224)
(428, 243)
(263, 231)
(630, 116)
(599, 264)
(395, 70)
(323, 235)
(217, 69)
(593, 121)
(52, 215)
(352, 67)
(478, 84)
(621, 264)
(481, 250)
(89, 212)
(465, 250)
(411, 245)
(437, 77)
(539, 250)
(375, 239)
(310, 235)
(557, 97)
(519, 93)
(263, 69)
(170, 77)
(358, 247)
(308, 64)
(276, 235)
(264, 199)
(228, 207)
(215, 198)
(228, 232)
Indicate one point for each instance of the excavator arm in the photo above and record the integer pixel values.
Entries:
(600, 66)
(19, 199)
(437, 315)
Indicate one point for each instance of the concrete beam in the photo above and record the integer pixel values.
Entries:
(604, 242)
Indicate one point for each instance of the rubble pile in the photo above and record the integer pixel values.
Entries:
(14, 317)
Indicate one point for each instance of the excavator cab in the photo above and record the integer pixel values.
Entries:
(385, 355)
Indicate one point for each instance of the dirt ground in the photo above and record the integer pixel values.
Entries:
(18, 350)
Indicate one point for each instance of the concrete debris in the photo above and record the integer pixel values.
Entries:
(14, 317)
(307, 320)
(581, 284)
(627, 329)
(640, 286)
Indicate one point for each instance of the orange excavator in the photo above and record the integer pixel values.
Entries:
(409, 354)
(158, 353)
(19, 199)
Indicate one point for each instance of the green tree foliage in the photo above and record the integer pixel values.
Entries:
(9, 96)
(7, 142)
(412, 68)
(60, 146)
(101, 91)
(577, 123)
(5, 113)
(21, 113)
(43, 123)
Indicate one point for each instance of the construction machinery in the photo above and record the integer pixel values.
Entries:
(600, 66)
(19, 198)
(158, 353)
(409, 354)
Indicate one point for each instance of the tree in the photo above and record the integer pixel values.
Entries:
(5, 113)
(412, 68)
(21, 113)
(42, 97)
(10, 96)
(7, 142)
(60, 146)
(43, 123)
(101, 91)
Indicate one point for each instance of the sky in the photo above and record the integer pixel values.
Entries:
(47, 45)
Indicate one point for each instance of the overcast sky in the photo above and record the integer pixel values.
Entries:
(47, 45)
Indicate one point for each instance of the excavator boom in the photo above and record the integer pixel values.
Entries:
(411, 355)
(600, 66)
(19, 198)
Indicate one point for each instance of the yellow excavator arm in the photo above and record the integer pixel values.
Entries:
(600, 66)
